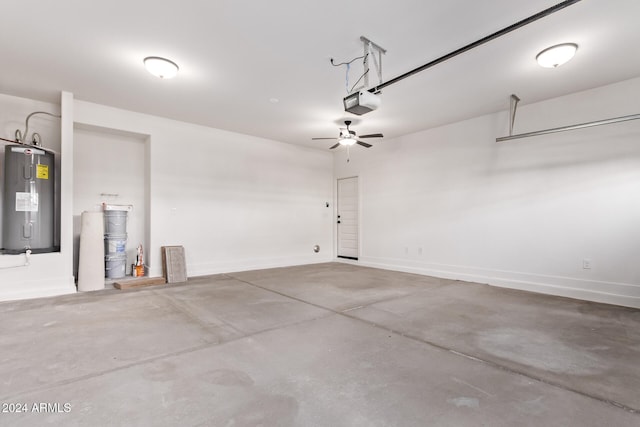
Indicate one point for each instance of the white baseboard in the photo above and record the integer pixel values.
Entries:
(29, 289)
(623, 294)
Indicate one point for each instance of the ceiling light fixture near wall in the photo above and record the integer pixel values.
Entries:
(557, 55)
(161, 67)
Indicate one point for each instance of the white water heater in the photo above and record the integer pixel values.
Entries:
(29, 200)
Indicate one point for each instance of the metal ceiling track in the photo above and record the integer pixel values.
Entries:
(570, 127)
(512, 119)
(477, 43)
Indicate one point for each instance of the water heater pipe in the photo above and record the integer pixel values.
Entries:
(20, 137)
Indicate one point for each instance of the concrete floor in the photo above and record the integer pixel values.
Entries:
(322, 345)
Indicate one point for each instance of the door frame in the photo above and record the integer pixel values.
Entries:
(335, 220)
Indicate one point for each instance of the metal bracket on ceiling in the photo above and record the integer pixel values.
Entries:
(512, 112)
(376, 52)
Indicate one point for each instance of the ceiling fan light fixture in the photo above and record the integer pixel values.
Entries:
(347, 141)
(348, 137)
(557, 55)
(161, 67)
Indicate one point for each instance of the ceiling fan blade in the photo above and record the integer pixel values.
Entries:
(372, 135)
(335, 146)
(315, 139)
(364, 144)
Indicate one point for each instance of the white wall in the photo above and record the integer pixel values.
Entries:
(523, 214)
(235, 202)
(47, 274)
(451, 202)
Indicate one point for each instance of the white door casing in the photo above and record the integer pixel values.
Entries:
(347, 218)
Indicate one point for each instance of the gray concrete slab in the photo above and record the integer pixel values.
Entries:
(339, 286)
(54, 341)
(228, 351)
(332, 371)
(245, 308)
(593, 348)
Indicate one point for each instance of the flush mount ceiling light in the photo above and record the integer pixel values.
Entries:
(557, 55)
(161, 67)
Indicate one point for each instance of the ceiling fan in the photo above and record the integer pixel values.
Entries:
(348, 137)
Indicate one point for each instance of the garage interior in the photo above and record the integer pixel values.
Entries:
(463, 252)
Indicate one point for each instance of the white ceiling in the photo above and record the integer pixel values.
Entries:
(235, 55)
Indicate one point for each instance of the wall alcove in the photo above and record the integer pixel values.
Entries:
(110, 166)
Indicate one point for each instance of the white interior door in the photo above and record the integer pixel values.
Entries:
(347, 218)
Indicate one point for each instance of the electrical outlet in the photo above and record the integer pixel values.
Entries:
(586, 264)
(419, 251)
(406, 250)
